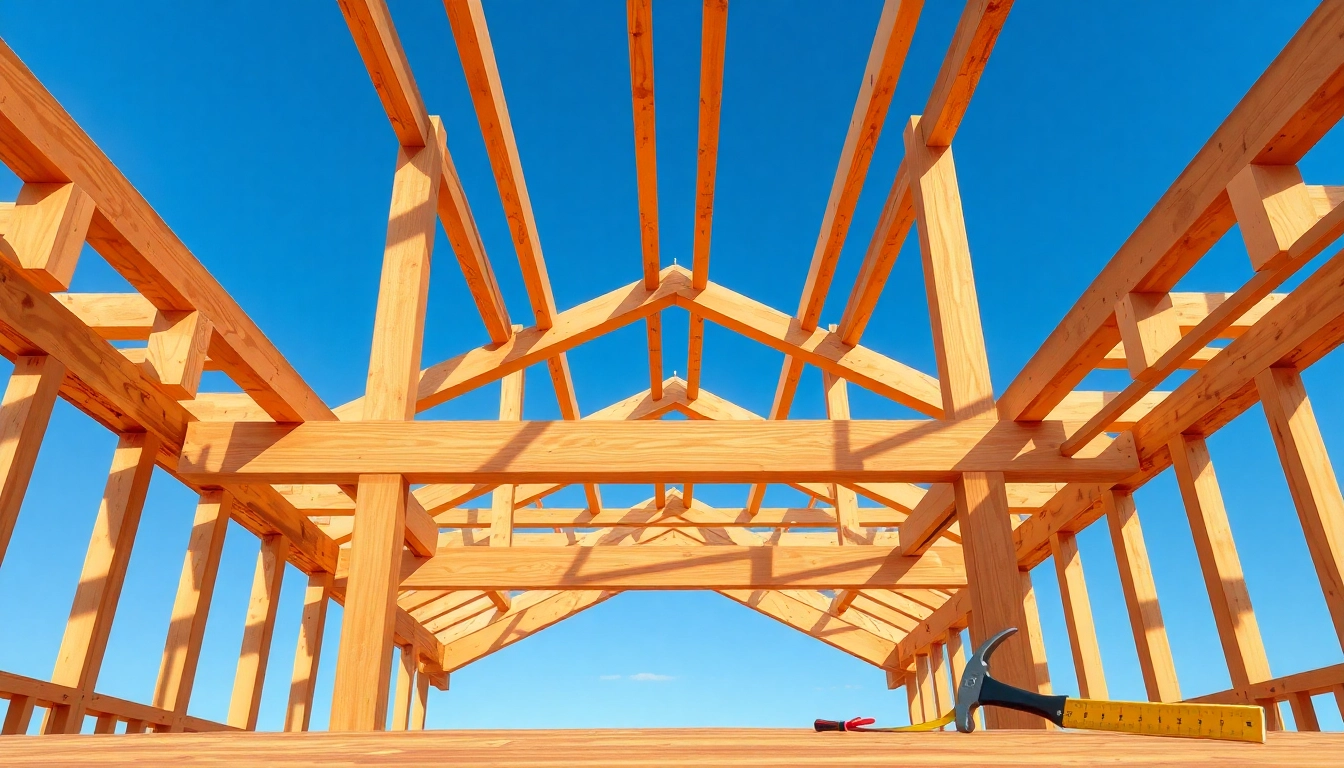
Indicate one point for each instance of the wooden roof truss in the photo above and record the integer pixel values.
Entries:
(1010, 481)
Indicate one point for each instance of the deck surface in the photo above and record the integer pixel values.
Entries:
(666, 747)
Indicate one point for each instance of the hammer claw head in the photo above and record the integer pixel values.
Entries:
(973, 679)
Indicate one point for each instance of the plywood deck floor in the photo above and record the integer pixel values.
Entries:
(663, 747)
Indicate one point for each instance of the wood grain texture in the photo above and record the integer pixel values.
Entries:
(191, 606)
(1136, 582)
(258, 629)
(592, 748)
(626, 452)
(303, 683)
(729, 567)
(1078, 620)
(25, 410)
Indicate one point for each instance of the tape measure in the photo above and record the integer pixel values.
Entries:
(1195, 721)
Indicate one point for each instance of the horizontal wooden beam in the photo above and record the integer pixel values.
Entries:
(712, 567)
(641, 452)
(668, 517)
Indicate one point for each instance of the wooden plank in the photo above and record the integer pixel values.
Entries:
(443, 381)
(898, 213)
(464, 237)
(46, 232)
(24, 412)
(1306, 323)
(1279, 119)
(619, 568)
(42, 143)
(523, 619)
(178, 345)
(375, 36)
(1273, 207)
(367, 628)
(467, 19)
(941, 681)
(245, 702)
(684, 451)
(972, 42)
(824, 349)
(1034, 635)
(191, 606)
(420, 702)
(81, 654)
(1078, 617)
(401, 701)
(933, 515)
(639, 14)
(121, 393)
(303, 684)
(673, 516)
(846, 502)
(713, 43)
(1145, 614)
(982, 513)
(113, 316)
(695, 354)
(886, 58)
(654, 326)
(672, 747)
(1311, 479)
(510, 409)
(1237, 628)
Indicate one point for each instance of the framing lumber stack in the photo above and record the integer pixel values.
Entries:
(971, 497)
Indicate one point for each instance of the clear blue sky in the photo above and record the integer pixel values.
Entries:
(254, 130)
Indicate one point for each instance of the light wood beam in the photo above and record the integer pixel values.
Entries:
(464, 237)
(824, 349)
(178, 345)
(972, 42)
(898, 214)
(713, 43)
(420, 703)
(443, 381)
(1281, 117)
(523, 619)
(501, 506)
(467, 19)
(1218, 560)
(46, 232)
(401, 701)
(846, 502)
(941, 680)
(619, 451)
(363, 665)
(303, 683)
(654, 326)
(42, 143)
(695, 355)
(1033, 635)
(191, 606)
(1078, 617)
(80, 657)
(1311, 479)
(245, 703)
(376, 38)
(1136, 581)
(722, 567)
(25, 411)
(639, 17)
(886, 58)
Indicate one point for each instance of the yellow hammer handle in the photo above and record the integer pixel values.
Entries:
(1194, 721)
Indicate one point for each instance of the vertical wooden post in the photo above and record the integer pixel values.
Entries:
(401, 703)
(308, 653)
(942, 680)
(928, 691)
(364, 662)
(105, 724)
(257, 633)
(1237, 627)
(1078, 616)
(1040, 680)
(963, 372)
(100, 581)
(502, 500)
(24, 413)
(848, 530)
(420, 705)
(956, 653)
(18, 716)
(1311, 479)
(1145, 615)
(191, 607)
(912, 699)
(1304, 711)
